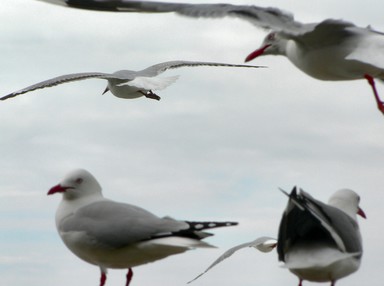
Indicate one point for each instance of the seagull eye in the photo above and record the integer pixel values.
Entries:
(79, 181)
(271, 37)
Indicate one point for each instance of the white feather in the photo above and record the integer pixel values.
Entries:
(152, 83)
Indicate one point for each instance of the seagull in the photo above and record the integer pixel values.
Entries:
(126, 83)
(317, 242)
(263, 244)
(111, 234)
(321, 242)
(330, 50)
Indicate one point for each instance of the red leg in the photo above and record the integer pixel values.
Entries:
(301, 282)
(129, 276)
(380, 104)
(103, 278)
(333, 283)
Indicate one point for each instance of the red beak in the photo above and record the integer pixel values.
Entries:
(361, 213)
(256, 53)
(57, 189)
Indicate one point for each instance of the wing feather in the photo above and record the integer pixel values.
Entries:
(58, 80)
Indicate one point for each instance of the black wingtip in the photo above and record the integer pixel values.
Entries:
(292, 194)
(6, 97)
(196, 225)
(283, 191)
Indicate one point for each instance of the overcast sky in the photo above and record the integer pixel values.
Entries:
(216, 147)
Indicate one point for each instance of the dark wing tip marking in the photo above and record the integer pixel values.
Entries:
(208, 225)
(8, 96)
(56, 81)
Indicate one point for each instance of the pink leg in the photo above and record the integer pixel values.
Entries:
(333, 283)
(380, 104)
(129, 276)
(301, 282)
(103, 278)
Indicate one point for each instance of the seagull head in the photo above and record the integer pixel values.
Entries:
(78, 183)
(347, 201)
(273, 44)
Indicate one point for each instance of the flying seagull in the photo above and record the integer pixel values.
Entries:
(263, 244)
(330, 50)
(117, 235)
(126, 83)
(316, 241)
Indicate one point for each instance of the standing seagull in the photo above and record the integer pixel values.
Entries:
(316, 241)
(118, 235)
(328, 50)
(321, 242)
(126, 83)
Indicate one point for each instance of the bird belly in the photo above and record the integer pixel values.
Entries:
(126, 91)
(330, 63)
(332, 272)
(87, 249)
(321, 264)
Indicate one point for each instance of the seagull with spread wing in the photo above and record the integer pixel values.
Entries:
(127, 84)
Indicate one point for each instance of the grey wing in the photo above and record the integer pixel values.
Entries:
(264, 244)
(343, 229)
(58, 80)
(264, 17)
(162, 67)
(326, 33)
(117, 224)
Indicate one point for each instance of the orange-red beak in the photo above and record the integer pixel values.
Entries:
(256, 53)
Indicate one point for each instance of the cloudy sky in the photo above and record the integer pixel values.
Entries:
(216, 147)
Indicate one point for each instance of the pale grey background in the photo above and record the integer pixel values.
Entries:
(217, 146)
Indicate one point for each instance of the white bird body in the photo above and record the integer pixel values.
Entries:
(105, 256)
(126, 257)
(324, 264)
(110, 234)
(139, 86)
(332, 50)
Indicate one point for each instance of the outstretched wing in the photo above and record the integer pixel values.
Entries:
(59, 80)
(162, 67)
(264, 244)
(269, 18)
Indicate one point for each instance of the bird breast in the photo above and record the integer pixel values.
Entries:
(124, 90)
(327, 62)
(88, 249)
(321, 263)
